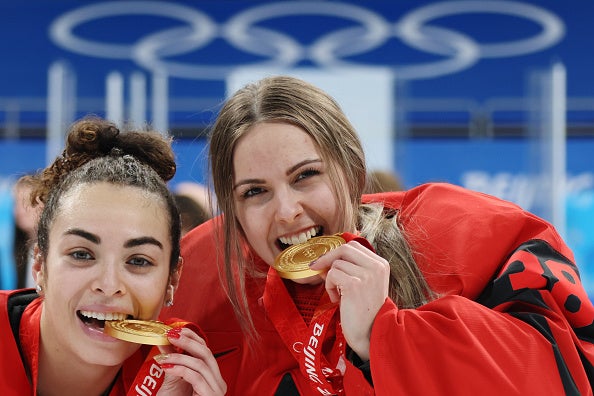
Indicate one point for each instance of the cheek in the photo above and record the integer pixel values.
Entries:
(327, 202)
(149, 295)
(150, 304)
(327, 206)
(253, 232)
(255, 226)
(64, 282)
(252, 221)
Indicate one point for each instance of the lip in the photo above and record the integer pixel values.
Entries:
(95, 332)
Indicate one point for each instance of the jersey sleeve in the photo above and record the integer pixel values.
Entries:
(511, 317)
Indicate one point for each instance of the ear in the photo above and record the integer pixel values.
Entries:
(37, 268)
(176, 275)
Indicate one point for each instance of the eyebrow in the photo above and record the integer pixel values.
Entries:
(301, 164)
(143, 241)
(129, 243)
(83, 234)
(289, 171)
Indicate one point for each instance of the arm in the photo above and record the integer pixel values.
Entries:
(456, 346)
(513, 315)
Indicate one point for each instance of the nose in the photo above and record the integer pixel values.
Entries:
(288, 205)
(108, 280)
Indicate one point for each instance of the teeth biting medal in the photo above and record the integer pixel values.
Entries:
(149, 332)
(293, 262)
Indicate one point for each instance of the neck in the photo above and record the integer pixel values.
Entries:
(61, 376)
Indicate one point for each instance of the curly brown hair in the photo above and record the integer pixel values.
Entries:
(97, 151)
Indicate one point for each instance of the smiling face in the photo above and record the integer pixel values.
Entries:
(282, 189)
(109, 257)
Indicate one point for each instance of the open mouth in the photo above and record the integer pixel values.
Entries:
(284, 242)
(97, 319)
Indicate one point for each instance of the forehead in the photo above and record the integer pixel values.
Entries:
(104, 202)
(275, 139)
(98, 192)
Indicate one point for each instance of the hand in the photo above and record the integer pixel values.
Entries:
(359, 279)
(196, 372)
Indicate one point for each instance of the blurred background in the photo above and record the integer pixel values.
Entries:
(496, 96)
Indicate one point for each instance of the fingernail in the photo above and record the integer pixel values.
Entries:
(174, 333)
(160, 357)
(167, 365)
(313, 262)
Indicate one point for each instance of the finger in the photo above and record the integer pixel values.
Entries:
(196, 347)
(330, 259)
(191, 334)
(336, 282)
(195, 372)
(346, 276)
(166, 349)
(360, 262)
(352, 251)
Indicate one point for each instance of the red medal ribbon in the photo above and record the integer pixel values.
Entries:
(150, 377)
(305, 342)
(325, 371)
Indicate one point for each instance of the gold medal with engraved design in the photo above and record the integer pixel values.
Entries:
(293, 262)
(149, 332)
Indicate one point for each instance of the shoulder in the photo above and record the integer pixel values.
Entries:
(16, 301)
(431, 197)
(11, 300)
(202, 235)
(453, 229)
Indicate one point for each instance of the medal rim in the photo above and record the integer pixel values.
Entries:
(158, 337)
(298, 274)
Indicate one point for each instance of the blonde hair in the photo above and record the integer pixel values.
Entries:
(408, 288)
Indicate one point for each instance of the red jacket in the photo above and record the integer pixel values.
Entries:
(13, 377)
(513, 317)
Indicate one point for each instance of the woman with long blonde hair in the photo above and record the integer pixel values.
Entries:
(437, 290)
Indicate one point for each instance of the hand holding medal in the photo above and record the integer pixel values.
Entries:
(357, 277)
(187, 352)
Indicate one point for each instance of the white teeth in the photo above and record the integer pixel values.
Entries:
(104, 315)
(300, 238)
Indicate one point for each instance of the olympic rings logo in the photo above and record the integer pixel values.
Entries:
(244, 31)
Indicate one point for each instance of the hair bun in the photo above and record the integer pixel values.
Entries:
(116, 152)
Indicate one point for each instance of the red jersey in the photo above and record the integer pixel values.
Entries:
(512, 317)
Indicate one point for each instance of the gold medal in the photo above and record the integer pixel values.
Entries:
(293, 262)
(149, 332)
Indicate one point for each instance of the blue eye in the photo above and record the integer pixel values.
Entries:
(252, 192)
(308, 173)
(81, 255)
(140, 262)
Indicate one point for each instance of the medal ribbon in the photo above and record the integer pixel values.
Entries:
(324, 371)
(305, 342)
(150, 376)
